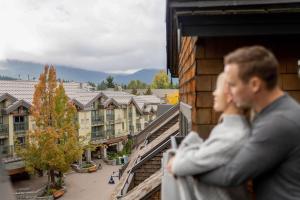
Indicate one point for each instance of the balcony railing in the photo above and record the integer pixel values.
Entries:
(20, 127)
(130, 116)
(171, 187)
(119, 120)
(3, 129)
(110, 133)
(110, 118)
(98, 120)
(98, 135)
(138, 126)
(131, 128)
(7, 151)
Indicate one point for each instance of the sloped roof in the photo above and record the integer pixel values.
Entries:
(17, 104)
(159, 140)
(110, 101)
(7, 96)
(142, 190)
(24, 90)
(160, 93)
(144, 100)
(141, 156)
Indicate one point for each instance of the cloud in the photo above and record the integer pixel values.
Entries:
(104, 35)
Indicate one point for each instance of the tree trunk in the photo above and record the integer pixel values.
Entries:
(80, 161)
(49, 180)
(52, 177)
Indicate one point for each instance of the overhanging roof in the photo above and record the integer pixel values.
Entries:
(17, 104)
(216, 18)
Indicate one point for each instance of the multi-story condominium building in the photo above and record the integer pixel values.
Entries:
(105, 118)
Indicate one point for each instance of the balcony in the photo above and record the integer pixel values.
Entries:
(110, 118)
(7, 151)
(110, 134)
(20, 128)
(98, 135)
(138, 126)
(130, 115)
(171, 187)
(131, 128)
(4, 130)
(119, 120)
(98, 120)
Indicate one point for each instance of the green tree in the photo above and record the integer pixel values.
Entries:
(134, 91)
(110, 82)
(137, 84)
(161, 80)
(53, 145)
(102, 86)
(91, 84)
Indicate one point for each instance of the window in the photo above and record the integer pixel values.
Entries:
(21, 140)
(125, 113)
(19, 119)
(1, 119)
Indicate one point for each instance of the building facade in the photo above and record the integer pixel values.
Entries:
(105, 118)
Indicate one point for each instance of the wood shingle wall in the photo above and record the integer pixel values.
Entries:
(201, 60)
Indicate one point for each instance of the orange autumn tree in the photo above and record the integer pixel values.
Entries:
(53, 145)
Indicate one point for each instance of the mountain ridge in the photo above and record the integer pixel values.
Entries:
(31, 71)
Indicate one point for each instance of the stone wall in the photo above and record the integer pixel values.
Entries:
(32, 195)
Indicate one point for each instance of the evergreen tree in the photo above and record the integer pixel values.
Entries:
(110, 82)
(102, 86)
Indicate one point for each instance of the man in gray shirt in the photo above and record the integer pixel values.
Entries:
(271, 157)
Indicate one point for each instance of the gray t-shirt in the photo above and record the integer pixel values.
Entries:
(271, 157)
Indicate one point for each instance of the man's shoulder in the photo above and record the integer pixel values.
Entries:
(287, 112)
(279, 125)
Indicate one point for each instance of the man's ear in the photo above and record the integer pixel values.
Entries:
(255, 84)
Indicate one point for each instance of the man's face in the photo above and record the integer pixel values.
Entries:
(241, 92)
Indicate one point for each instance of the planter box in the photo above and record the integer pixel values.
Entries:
(92, 169)
(85, 170)
(111, 162)
(58, 193)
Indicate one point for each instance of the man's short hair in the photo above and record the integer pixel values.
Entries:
(255, 61)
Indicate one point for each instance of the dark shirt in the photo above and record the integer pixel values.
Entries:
(271, 157)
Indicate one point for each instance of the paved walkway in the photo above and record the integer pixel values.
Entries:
(90, 186)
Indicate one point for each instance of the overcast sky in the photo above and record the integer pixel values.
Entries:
(102, 35)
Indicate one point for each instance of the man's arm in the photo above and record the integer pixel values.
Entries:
(268, 146)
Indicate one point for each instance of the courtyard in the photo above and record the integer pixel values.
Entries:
(91, 186)
(80, 186)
